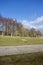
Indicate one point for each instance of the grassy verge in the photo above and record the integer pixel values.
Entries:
(23, 59)
(8, 41)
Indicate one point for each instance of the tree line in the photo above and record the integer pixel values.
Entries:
(12, 27)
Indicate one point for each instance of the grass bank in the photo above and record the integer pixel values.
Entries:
(11, 41)
(23, 59)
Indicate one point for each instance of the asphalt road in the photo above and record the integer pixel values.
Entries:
(12, 50)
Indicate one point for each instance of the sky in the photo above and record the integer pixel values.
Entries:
(28, 12)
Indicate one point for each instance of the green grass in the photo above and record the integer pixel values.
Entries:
(11, 41)
(23, 59)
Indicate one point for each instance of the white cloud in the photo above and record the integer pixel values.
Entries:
(38, 20)
(41, 26)
(34, 23)
(27, 24)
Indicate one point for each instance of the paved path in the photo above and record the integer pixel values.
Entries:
(11, 50)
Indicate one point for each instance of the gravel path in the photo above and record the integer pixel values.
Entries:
(11, 50)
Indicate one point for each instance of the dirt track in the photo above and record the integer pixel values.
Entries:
(11, 50)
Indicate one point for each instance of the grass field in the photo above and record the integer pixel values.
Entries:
(10, 41)
(23, 59)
